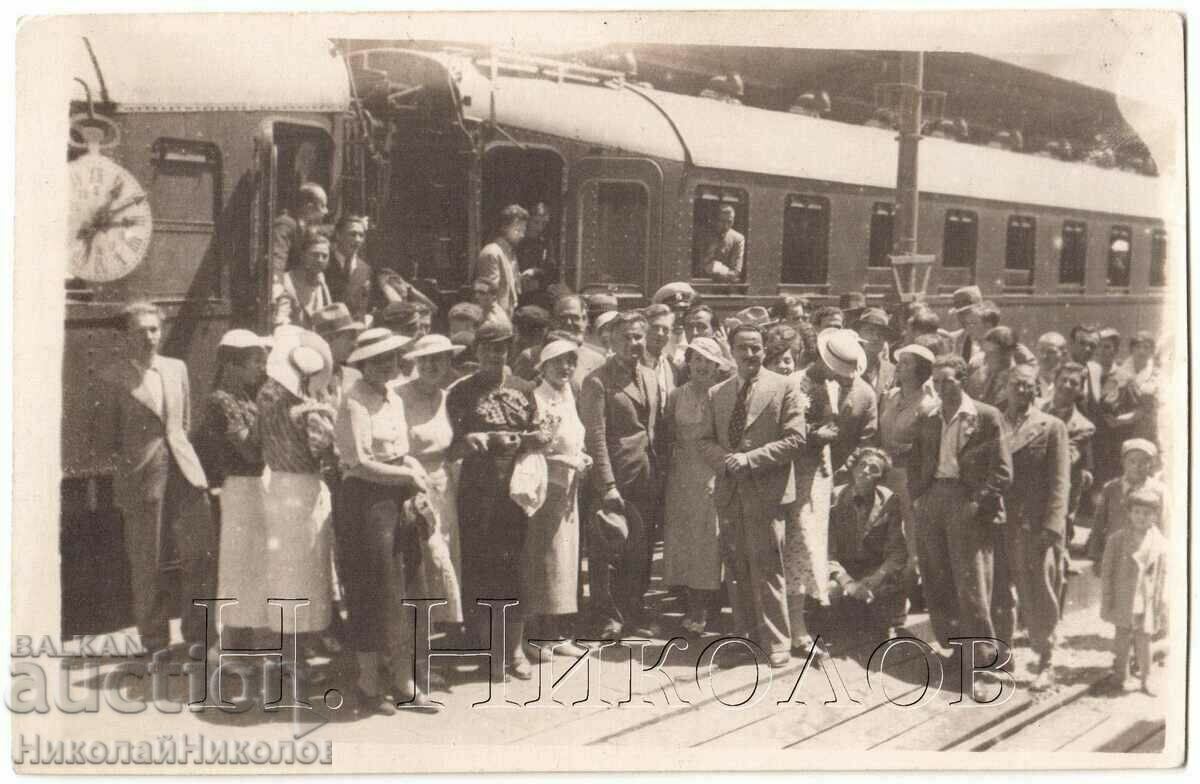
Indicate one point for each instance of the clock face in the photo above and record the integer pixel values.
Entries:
(110, 223)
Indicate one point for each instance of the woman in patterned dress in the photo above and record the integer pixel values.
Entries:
(230, 450)
(297, 440)
(493, 417)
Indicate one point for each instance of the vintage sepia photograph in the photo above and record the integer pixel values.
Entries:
(588, 391)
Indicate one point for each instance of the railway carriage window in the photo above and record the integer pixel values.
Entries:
(805, 240)
(615, 229)
(719, 221)
(1072, 259)
(882, 220)
(1158, 257)
(1120, 256)
(959, 238)
(1020, 251)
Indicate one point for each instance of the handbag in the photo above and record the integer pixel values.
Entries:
(528, 485)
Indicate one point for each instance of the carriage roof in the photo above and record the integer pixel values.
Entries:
(174, 70)
(725, 136)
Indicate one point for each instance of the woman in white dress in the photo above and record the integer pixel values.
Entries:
(429, 437)
(550, 555)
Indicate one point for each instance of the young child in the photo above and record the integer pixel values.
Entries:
(1133, 585)
(1137, 462)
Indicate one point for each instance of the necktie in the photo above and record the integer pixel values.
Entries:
(737, 422)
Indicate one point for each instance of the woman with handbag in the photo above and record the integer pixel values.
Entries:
(493, 419)
(550, 558)
(378, 476)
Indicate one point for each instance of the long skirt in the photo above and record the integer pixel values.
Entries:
(242, 550)
(436, 580)
(691, 533)
(381, 568)
(298, 540)
(806, 536)
(550, 557)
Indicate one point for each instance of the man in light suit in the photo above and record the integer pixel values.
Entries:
(158, 481)
(1031, 552)
(348, 274)
(754, 429)
(619, 408)
(497, 262)
(959, 470)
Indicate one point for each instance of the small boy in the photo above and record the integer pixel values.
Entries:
(1133, 585)
(1137, 463)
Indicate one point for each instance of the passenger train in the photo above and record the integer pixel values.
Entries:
(433, 144)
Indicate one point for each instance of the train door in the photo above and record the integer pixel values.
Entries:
(617, 219)
(286, 155)
(527, 175)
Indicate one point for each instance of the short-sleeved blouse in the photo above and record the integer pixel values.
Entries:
(228, 416)
(370, 426)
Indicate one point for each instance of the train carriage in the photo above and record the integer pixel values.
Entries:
(633, 177)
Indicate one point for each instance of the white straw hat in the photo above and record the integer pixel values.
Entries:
(375, 342)
(841, 352)
(709, 349)
(916, 351)
(556, 348)
(431, 344)
(243, 338)
(296, 355)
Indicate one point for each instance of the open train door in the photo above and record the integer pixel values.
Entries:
(616, 208)
(423, 166)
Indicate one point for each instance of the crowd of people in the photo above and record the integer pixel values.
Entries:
(811, 469)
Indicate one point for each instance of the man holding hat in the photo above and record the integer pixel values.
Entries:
(620, 410)
(1031, 548)
(959, 470)
(875, 331)
(753, 430)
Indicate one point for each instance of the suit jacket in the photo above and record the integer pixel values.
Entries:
(773, 438)
(884, 379)
(286, 232)
(1111, 513)
(984, 459)
(1041, 471)
(620, 416)
(857, 420)
(142, 437)
(1079, 434)
(354, 290)
(497, 264)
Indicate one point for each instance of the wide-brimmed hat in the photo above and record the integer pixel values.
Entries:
(375, 342)
(494, 331)
(334, 318)
(243, 338)
(709, 349)
(556, 348)
(841, 352)
(431, 344)
(917, 351)
(398, 314)
(296, 355)
(966, 298)
(876, 317)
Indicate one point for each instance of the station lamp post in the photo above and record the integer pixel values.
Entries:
(910, 269)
